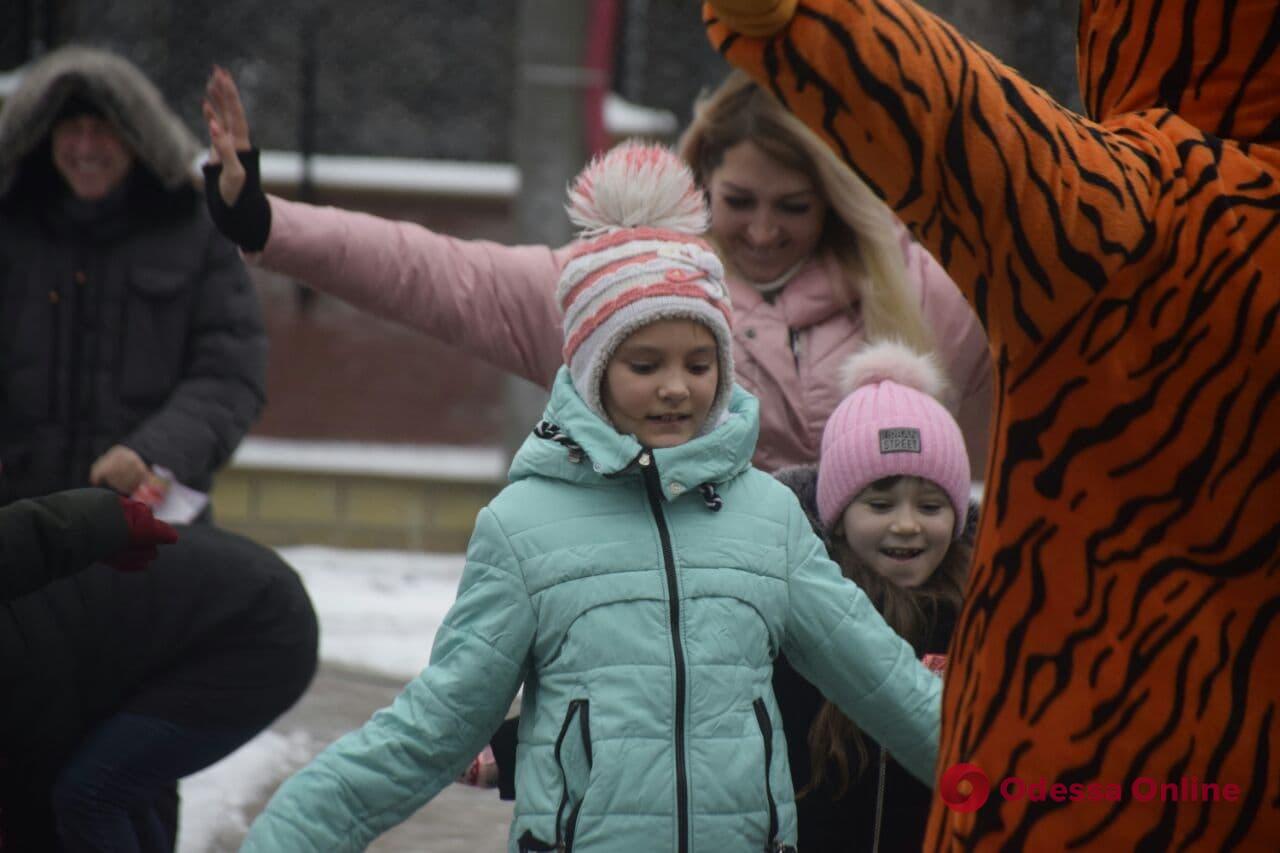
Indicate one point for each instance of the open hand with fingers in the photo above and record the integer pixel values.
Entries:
(233, 186)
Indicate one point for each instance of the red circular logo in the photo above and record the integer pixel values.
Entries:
(964, 787)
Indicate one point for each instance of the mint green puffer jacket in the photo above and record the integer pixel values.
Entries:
(643, 624)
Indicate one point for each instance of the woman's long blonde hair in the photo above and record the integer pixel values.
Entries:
(859, 230)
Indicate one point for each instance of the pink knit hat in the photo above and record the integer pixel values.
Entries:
(639, 259)
(891, 424)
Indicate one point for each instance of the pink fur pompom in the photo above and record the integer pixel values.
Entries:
(896, 362)
(637, 185)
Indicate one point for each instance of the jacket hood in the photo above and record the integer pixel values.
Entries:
(570, 430)
(133, 104)
(1217, 65)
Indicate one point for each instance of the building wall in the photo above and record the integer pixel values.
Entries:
(282, 508)
(337, 373)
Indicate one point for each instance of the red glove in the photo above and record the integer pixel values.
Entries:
(145, 533)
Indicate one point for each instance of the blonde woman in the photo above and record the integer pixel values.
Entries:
(817, 266)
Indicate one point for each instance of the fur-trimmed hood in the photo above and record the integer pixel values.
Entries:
(134, 105)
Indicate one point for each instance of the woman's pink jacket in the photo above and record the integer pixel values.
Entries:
(497, 303)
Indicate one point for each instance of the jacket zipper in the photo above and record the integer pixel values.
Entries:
(80, 367)
(653, 486)
(766, 732)
(79, 458)
(581, 708)
(530, 843)
(55, 362)
(875, 839)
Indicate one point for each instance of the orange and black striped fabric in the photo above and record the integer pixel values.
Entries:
(1123, 618)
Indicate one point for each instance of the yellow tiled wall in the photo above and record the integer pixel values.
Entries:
(349, 510)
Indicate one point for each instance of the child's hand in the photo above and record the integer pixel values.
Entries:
(151, 490)
(482, 772)
(937, 664)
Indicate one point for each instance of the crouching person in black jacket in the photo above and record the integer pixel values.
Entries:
(118, 683)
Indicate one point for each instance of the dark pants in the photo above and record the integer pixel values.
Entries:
(118, 791)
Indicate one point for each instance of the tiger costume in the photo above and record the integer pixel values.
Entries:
(1122, 624)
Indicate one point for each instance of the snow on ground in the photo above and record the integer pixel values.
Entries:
(378, 611)
(217, 799)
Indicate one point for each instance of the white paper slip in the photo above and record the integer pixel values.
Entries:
(181, 504)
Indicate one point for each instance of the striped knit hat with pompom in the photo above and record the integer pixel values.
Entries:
(891, 425)
(638, 259)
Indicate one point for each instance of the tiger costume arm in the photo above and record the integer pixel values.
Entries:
(979, 163)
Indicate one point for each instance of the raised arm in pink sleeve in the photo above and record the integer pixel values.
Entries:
(494, 302)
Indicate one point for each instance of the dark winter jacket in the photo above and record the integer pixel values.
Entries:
(124, 321)
(217, 632)
(834, 823)
(48, 538)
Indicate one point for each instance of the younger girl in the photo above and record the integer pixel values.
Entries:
(890, 495)
(638, 577)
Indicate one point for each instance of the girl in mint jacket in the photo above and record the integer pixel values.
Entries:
(637, 577)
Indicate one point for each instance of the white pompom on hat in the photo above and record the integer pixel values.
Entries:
(891, 424)
(639, 259)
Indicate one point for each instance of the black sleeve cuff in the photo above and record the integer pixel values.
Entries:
(247, 223)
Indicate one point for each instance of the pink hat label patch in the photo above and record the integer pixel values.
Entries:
(900, 440)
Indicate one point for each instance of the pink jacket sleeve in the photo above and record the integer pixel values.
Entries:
(962, 346)
(494, 302)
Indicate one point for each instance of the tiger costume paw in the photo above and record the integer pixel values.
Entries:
(752, 17)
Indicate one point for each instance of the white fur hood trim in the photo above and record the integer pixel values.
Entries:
(132, 102)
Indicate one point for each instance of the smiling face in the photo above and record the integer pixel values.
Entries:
(90, 156)
(901, 527)
(766, 217)
(661, 381)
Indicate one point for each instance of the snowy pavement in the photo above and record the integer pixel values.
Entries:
(378, 612)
